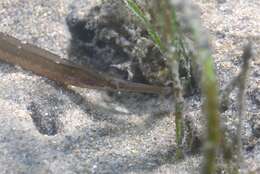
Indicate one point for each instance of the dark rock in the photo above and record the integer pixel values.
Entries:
(255, 121)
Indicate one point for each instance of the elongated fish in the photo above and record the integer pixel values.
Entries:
(44, 63)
